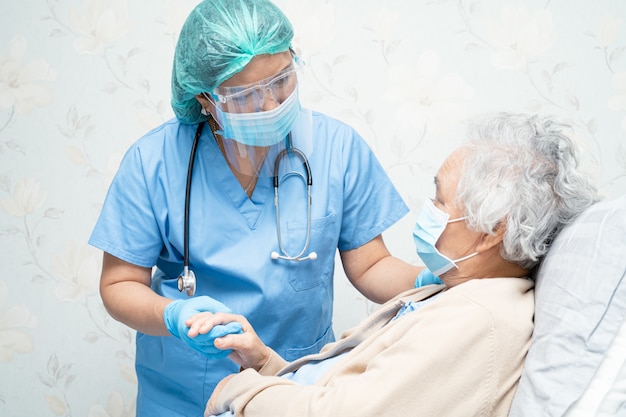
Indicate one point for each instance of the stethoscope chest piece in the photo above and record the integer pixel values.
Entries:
(187, 282)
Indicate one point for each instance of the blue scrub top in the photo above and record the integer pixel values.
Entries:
(231, 239)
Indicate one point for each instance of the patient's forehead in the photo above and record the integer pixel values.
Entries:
(450, 171)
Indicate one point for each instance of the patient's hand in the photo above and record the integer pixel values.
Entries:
(248, 351)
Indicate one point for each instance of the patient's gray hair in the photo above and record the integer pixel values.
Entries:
(521, 170)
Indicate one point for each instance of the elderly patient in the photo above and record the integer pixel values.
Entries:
(455, 349)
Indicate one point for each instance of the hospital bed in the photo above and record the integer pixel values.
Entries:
(576, 364)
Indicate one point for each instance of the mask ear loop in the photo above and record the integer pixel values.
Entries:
(242, 150)
(458, 219)
(210, 100)
(466, 256)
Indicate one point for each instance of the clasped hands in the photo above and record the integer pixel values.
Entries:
(210, 328)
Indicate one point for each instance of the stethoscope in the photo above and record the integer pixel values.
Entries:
(187, 281)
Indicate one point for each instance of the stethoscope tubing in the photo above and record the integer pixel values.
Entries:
(192, 160)
(309, 183)
(187, 280)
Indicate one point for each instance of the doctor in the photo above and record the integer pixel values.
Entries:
(239, 204)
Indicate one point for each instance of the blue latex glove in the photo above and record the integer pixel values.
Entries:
(426, 278)
(176, 314)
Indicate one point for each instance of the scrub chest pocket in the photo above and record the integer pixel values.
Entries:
(306, 274)
(291, 354)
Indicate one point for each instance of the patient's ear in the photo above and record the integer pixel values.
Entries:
(489, 240)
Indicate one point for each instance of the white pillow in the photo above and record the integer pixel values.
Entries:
(580, 303)
(606, 394)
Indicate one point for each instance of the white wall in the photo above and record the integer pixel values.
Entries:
(82, 79)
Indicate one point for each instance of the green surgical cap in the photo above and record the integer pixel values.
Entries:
(218, 39)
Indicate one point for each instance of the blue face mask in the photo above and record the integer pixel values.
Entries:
(430, 224)
(261, 128)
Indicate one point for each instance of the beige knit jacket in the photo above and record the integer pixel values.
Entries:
(460, 355)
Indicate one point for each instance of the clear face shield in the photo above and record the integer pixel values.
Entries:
(259, 120)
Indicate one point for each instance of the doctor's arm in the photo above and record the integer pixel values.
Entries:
(127, 296)
(375, 273)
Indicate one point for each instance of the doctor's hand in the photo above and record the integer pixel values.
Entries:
(246, 349)
(426, 278)
(179, 312)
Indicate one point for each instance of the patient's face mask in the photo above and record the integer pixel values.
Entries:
(430, 224)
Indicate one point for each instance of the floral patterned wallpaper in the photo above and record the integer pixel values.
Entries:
(82, 79)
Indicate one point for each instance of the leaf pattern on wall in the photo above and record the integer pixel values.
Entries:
(80, 80)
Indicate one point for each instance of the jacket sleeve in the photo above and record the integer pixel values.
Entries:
(274, 364)
(442, 361)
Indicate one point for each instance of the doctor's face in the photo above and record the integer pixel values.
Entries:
(262, 85)
(240, 95)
